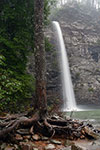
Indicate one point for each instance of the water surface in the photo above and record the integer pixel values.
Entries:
(90, 114)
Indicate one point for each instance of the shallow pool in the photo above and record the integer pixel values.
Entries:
(90, 114)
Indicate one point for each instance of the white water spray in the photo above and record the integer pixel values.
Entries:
(68, 93)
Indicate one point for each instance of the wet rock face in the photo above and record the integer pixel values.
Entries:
(54, 88)
(94, 52)
(81, 31)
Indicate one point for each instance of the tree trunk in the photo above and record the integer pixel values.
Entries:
(40, 65)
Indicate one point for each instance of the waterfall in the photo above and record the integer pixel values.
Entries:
(68, 93)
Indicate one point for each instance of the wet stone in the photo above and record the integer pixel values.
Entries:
(66, 148)
(27, 137)
(36, 137)
(3, 146)
(49, 147)
(16, 146)
(91, 133)
(77, 147)
(68, 143)
(96, 143)
(9, 148)
(45, 138)
(26, 140)
(56, 142)
(26, 146)
(18, 137)
(82, 137)
(35, 148)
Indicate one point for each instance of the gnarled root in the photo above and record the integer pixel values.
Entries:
(71, 129)
(8, 127)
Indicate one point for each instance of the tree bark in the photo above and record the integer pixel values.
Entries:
(40, 64)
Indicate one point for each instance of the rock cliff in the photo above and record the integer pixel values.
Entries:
(81, 31)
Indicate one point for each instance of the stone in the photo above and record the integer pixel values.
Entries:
(66, 148)
(3, 146)
(26, 140)
(49, 147)
(96, 143)
(27, 137)
(45, 138)
(77, 147)
(83, 132)
(55, 117)
(23, 131)
(68, 143)
(16, 146)
(56, 142)
(9, 148)
(91, 133)
(26, 146)
(18, 137)
(36, 137)
(82, 137)
(71, 138)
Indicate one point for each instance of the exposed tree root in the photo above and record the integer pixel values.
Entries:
(71, 129)
(12, 125)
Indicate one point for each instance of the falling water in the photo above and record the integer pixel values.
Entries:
(68, 93)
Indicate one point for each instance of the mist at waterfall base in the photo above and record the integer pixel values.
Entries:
(68, 93)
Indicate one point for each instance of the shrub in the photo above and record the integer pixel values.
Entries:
(13, 89)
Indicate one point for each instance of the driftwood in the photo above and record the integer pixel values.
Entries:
(70, 129)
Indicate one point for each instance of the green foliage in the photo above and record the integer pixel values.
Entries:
(16, 33)
(48, 45)
(48, 4)
(77, 75)
(16, 43)
(13, 91)
(90, 89)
